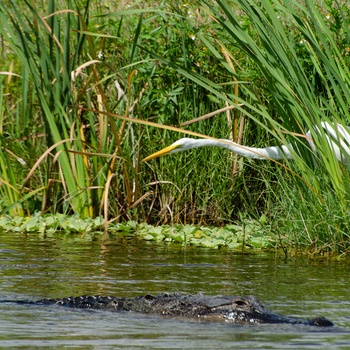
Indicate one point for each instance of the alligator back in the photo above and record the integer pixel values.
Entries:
(209, 308)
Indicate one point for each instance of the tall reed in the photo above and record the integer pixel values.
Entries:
(303, 63)
(291, 62)
(279, 67)
(83, 149)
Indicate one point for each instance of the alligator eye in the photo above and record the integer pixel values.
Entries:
(241, 302)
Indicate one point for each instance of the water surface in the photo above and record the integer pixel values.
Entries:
(32, 267)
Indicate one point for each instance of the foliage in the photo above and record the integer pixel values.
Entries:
(50, 224)
(82, 150)
(251, 236)
(301, 101)
(83, 82)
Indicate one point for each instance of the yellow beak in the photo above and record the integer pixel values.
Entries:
(161, 153)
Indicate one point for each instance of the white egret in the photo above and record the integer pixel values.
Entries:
(338, 137)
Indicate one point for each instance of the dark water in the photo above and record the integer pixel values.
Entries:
(34, 268)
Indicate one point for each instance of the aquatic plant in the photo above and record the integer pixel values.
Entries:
(90, 89)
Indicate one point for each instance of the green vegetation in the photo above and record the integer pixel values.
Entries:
(88, 90)
(251, 236)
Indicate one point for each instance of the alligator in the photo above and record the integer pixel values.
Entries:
(198, 306)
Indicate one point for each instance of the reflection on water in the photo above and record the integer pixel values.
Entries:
(34, 268)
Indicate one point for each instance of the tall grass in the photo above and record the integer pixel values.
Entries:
(91, 87)
(8, 180)
(83, 151)
(300, 54)
(303, 63)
